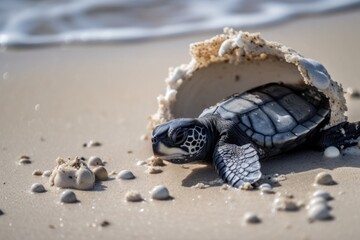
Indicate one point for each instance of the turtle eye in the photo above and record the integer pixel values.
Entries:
(179, 136)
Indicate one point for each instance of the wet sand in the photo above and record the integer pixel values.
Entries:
(54, 100)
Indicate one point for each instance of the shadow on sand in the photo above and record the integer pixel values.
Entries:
(292, 162)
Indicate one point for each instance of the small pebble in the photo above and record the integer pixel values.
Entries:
(24, 157)
(266, 188)
(323, 194)
(47, 173)
(37, 172)
(133, 196)
(319, 212)
(68, 196)
(125, 175)
(324, 178)
(153, 170)
(92, 143)
(112, 173)
(225, 187)
(104, 223)
(285, 204)
(251, 218)
(95, 161)
(155, 162)
(331, 152)
(354, 93)
(247, 186)
(317, 200)
(24, 161)
(100, 173)
(160, 193)
(200, 186)
(278, 178)
(141, 163)
(51, 226)
(37, 188)
(144, 137)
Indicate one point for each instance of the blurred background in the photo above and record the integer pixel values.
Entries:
(49, 22)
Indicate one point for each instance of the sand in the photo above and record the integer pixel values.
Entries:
(53, 100)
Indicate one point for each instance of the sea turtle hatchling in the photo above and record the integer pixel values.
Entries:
(259, 123)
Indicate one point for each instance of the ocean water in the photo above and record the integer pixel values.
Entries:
(30, 23)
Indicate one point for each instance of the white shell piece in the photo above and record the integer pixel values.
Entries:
(235, 62)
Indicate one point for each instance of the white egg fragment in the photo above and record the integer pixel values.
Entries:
(235, 62)
(72, 174)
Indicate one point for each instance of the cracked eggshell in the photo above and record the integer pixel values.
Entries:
(234, 62)
(72, 174)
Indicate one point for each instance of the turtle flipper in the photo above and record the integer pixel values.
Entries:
(237, 165)
(343, 135)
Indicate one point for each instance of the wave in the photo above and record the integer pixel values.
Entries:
(91, 21)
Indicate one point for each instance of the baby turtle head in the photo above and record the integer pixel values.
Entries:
(181, 140)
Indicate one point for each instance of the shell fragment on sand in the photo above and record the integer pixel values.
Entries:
(285, 204)
(125, 175)
(133, 196)
(47, 173)
(318, 208)
(324, 178)
(251, 218)
(319, 212)
(200, 186)
(155, 162)
(23, 160)
(266, 188)
(153, 170)
(37, 172)
(92, 144)
(323, 194)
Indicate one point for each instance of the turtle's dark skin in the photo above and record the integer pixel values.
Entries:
(257, 124)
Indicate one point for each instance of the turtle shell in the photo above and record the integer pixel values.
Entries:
(275, 116)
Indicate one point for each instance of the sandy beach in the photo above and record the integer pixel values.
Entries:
(53, 100)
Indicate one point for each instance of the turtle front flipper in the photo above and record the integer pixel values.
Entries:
(237, 165)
